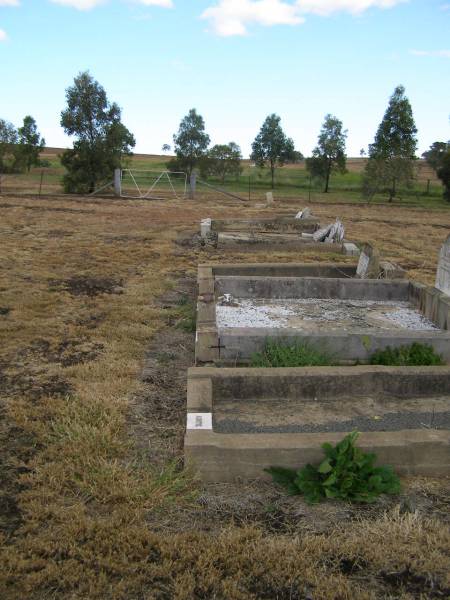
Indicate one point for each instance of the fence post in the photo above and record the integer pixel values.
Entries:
(40, 183)
(193, 184)
(428, 187)
(118, 182)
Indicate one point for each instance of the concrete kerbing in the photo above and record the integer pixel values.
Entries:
(222, 457)
(233, 346)
(277, 224)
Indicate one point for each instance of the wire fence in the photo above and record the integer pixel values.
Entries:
(250, 185)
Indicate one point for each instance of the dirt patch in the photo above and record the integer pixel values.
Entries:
(66, 353)
(416, 584)
(83, 285)
(34, 384)
(159, 411)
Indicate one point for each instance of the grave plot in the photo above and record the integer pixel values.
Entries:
(294, 232)
(242, 421)
(336, 309)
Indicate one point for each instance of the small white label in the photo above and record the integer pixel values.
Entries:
(199, 421)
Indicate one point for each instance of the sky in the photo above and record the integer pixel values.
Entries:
(235, 61)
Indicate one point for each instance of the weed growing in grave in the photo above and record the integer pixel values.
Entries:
(188, 315)
(284, 354)
(347, 473)
(415, 355)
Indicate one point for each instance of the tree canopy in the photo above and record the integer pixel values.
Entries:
(224, 159)
(436, 153)
(8, 141)
(392, 154)
(102, 141)
(329, 154)
(190, 143)
(30, 144)
(272, 147)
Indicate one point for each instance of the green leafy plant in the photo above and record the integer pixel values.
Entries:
(414, 355)
(294, 354)
(347, 473)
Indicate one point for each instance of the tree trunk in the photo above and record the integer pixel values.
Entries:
(327, 179)
(272, 172)
(393, 190)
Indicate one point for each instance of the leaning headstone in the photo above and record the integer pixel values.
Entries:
(443, 270)
(269, 198)
(321, 234)
(303, 214)
(369, 263)
(205, 227)
(336, 233)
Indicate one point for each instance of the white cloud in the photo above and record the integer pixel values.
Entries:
(439, 53)
(89, 4)
(354, 7)
(9, 2)
(3, 36)
(231, 17)
(80, 4)
(161, 3)
(445, 7)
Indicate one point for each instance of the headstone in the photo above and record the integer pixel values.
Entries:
(321, 234)
(269, 198)
(369, 263)
(303, 214)
(205, 227)
(336, 233)
(443, 270)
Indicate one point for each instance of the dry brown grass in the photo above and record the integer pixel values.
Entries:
(85, 509)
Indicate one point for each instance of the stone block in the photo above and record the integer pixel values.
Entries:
(443, 270)
(351, 249)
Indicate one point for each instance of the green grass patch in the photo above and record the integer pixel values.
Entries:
(415, 355)
(188, 315)
(290, 354)
(347, 473)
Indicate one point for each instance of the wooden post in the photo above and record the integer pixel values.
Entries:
(118, 182)
(40, 183)
(427, 193)
(193, 185)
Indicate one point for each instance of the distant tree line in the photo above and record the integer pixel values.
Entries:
(103, 143)
(20, 148)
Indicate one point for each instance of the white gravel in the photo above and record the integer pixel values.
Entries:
(250, 314)
(290, 313)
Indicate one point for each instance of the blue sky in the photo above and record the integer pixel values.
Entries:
(236, 61)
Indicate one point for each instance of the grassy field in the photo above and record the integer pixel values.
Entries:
(291, 181)
(96, 329)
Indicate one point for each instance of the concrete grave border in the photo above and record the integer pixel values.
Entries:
(431, 302)
(265, 233)
(220, 457)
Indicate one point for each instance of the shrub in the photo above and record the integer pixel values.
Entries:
(347, 473)
(294, 354)
(415, 355)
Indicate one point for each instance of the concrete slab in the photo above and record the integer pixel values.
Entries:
(266, 417)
